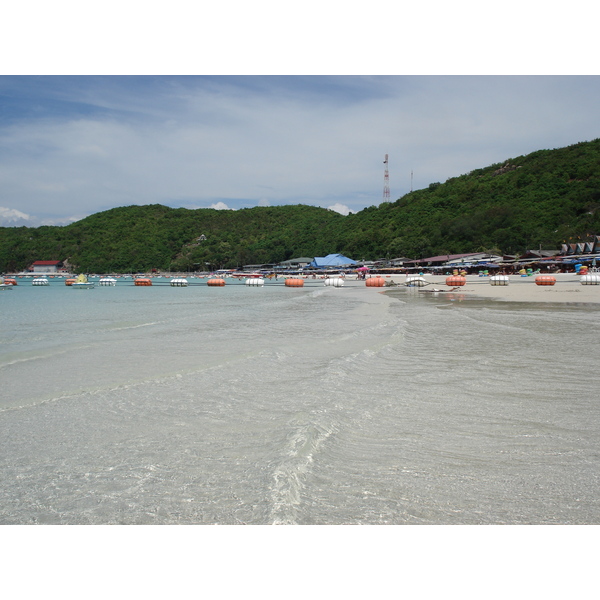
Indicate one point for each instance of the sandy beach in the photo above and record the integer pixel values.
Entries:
(567, 289)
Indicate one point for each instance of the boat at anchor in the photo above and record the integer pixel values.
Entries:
(82, 283)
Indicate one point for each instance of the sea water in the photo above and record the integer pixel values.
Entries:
(313, 405)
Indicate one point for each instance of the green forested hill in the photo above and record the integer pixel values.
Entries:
(139, 238)
(543, 198)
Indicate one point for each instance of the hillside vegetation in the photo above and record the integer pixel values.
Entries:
(543, 198)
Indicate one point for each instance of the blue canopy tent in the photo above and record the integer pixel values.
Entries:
(332, 260)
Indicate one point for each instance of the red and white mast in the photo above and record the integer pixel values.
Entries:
(386, 181)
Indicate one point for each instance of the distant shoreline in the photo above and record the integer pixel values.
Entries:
(568, 288)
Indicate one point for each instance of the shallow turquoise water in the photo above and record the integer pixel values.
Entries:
(315, 405)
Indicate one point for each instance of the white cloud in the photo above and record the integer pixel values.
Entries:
(220, 206)
(11, 216)
(63, 220)
(340, 208)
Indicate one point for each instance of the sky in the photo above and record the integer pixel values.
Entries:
(71, 146)
(240, 105)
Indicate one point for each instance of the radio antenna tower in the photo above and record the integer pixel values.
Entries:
(386, 181)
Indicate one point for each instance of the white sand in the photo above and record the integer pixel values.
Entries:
(567, 289)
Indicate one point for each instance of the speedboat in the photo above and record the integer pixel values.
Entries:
(82, 283)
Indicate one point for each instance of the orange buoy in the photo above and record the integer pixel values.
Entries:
(456, 280)
(375, 282)
(143, 281)
(294, 282)
(215, 282)
(70, 281)
(545, 280)
(10, 281)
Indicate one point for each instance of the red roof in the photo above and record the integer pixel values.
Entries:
(46, 262)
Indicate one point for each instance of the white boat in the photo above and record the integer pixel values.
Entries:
(82, 283)
(40, 281)
(5, 286)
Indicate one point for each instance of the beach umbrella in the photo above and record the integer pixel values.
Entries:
(363, 269)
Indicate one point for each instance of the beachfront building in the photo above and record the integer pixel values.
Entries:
(455, 261)
(332, 260)
(296, 263)
(46, 266)
(256, 268)
(398, 262)
(580, 248)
